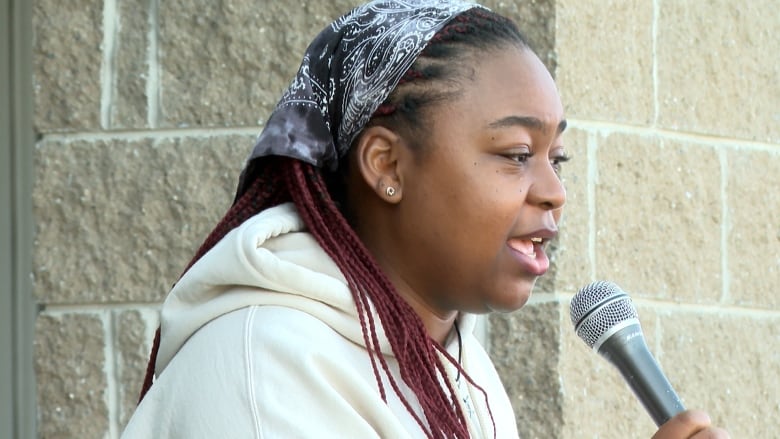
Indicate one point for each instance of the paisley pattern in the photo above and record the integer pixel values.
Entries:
(347, 72)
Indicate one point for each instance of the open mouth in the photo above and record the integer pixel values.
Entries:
(528, 246)
(530, 255)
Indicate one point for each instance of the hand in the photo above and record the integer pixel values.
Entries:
(691, 424)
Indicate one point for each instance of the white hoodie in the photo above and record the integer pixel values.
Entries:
(261, 339)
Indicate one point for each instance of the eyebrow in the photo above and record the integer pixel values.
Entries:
(525, 121)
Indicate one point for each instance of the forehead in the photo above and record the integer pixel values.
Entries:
(511, 83)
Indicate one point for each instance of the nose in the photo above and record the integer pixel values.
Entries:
(547, 189)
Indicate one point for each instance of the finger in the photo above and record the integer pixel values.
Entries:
(712, 433)
(684, 425)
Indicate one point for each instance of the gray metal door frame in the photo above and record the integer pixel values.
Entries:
(17, 307)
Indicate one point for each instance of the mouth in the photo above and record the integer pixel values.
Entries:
(528, 246)
(529, 251)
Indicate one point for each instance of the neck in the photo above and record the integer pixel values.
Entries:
(436, 325)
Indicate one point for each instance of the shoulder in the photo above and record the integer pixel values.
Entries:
(266, 337)
(302, 377)
(282, 354)
(283, 343)
(267, 370)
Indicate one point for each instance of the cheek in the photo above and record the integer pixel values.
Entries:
(449, 190)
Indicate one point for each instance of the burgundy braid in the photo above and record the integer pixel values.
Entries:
(283, 179)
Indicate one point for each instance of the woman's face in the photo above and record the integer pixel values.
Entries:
(478, 205)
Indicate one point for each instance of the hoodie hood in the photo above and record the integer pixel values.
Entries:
(268, 260)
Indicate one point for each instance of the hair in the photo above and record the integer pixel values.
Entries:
(439, 71)
(318, 199)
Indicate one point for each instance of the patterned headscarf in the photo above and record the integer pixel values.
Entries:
(347, 72)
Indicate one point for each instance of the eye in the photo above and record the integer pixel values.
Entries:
(518, 155)
(558, 161)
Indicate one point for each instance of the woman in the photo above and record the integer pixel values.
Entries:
(407, 180)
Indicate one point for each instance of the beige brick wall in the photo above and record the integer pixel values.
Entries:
(145, 110)
(674, 107)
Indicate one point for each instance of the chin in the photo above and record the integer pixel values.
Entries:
(513, 301)
(509, 304)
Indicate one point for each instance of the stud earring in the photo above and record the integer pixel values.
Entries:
(390, 191)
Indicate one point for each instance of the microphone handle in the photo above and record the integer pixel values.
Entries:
(626, 349)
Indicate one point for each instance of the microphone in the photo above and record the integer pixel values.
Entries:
(605, 319)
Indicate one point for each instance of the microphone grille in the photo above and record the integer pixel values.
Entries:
(597, 307)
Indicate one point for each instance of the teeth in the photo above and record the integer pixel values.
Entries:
(537, 240)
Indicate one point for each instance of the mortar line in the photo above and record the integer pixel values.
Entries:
(91, 308)
(107, 74)
(202, 133)
(708, 139)
(656, 104)
(153, 61)
(696, 308)
(110, 371)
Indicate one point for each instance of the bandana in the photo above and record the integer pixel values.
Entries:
(347, 72)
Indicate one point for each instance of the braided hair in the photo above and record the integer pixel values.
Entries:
(320, 198)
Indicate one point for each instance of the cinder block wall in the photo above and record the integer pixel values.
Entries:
(145, 110)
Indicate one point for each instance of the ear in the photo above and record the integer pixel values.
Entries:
(377, 153)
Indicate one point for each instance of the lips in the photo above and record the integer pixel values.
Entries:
(527, 247)
(529, 251)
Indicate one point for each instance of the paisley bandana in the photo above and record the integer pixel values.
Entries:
(347, 72)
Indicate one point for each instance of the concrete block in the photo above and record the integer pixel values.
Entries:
(717, 68)
(226, 62)
(727, 365)
(119, 220)
(524, 346)
(71, 381)
(67, 61)
(658, 215)
(753, 237)
(536, 21)
(129, 106)
(605, 59)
